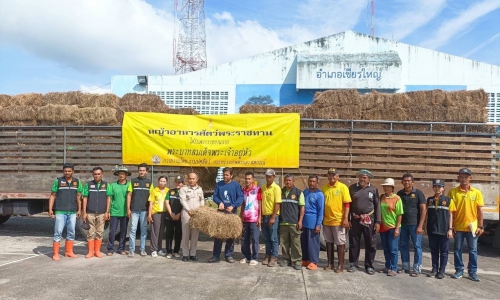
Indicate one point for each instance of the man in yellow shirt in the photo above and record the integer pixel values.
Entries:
(467, 222)
(336, 218)
(271, 202)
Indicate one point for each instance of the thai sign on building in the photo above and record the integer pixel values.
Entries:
(358, 70)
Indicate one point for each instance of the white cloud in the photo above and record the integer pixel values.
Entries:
(415, 14)
(452, 27)
(126, 36)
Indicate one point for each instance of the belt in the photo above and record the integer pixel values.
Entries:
(355, 216)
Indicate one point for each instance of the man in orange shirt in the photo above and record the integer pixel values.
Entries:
(467, 222)
(336, 218)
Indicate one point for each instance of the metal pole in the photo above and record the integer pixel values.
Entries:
(64, 143)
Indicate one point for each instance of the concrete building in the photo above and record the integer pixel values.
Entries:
(292, 75)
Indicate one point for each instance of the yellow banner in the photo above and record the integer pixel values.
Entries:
(239, 140)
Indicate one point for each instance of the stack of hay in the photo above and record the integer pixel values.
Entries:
(216, 224)
(20, 110)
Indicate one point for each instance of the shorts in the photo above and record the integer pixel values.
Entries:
(335, 234)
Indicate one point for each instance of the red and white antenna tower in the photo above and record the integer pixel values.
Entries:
(189, 47)
(372, 25)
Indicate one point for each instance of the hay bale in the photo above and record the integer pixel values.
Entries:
(97, 100)
(57, 114)
(257, 109)
(18, 113)
(393, 114)
(372, 100)
(216, 224)
(140, 103)
(95, 116)
(20, 123)
(336, 98)
(292, 108)
(30, 99)
(185, 111)
(67, 98)
(4, 100)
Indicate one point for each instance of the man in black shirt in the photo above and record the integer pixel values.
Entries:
(364, 218)
(412, 225)
(173, 218)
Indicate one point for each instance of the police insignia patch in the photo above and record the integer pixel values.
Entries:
(136, 184)
(293, 197)
(412, 196)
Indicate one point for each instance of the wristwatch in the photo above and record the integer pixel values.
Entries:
(450, 228)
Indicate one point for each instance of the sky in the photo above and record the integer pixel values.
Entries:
(65, 45)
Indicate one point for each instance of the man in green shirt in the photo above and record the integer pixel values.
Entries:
(118, 210)
(66, 200)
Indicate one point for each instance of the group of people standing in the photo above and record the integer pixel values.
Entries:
(285, 216)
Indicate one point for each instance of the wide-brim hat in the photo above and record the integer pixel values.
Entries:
(388, 182)
(119, 169)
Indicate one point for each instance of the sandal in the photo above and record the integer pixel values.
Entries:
(384, 270)
(351, 269)
(413, 274)
(370, 271)
(391, 273)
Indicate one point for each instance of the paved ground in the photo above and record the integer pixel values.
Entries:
(27, 272)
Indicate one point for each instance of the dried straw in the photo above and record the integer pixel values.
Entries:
(30, 99)
(20, 113)
(257, 109)
(95, 116)
(67, 98)
(216, 224)
(5, 100)
(96, 100)
(57, 114)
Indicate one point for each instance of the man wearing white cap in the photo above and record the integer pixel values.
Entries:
(365, 220)
(271, 202)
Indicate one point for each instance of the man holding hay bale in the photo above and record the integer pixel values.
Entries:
(365, 219)
(252, 220)
(292, 214)
(271, 202)
(311, 228)
(137, 207)
(336, 220)
(228, 195)
(412, 225)
(96, 202)
(191, 197)
(65, 198)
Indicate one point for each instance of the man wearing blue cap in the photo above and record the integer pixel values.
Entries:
(365, 218)
(467, 222)
(439, 227)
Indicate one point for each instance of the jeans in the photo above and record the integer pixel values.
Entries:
(407, 232)
(138, 216)
(439, 245)
(113, 225)
(64, 220)
(472, 245)
(228, 250)
(270, 235)
(390, 245)
(250, 240)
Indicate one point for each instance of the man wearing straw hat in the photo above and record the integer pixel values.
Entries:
(365, 220)
(118, 210)
(336, 220)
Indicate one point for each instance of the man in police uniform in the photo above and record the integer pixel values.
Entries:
(137, 206)
(96, 201)
(66, 200)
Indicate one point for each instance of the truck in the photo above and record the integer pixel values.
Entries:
(32, 157)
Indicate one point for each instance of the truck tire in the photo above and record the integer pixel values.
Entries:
(105, 234)
(4, 219)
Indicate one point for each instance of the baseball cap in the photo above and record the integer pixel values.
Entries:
(179, 178)
(388, 181)
(465, 171)
(439, 182)
(270, 172)
(364, 172)
(332, 171)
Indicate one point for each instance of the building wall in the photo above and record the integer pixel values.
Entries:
(272, 76)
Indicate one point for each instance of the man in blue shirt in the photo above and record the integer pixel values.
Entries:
(228, 195)
(311, 226)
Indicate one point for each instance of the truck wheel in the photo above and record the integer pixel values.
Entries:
(105, 234)
(4, 219)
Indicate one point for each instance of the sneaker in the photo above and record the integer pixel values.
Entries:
(143, 253)
(243, 261)
(153, 254)
(161, 253)
(473, 277)
(297, 266)
(440, 275)
(185, 258)
(177, 255)
(130, 254)
(169, 255)
(457, 275)
(253, 263)
(433, 273)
